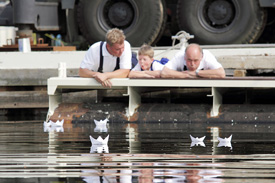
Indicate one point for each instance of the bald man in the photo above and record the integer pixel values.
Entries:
(193, 63)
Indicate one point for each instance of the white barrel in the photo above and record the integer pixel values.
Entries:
(7, 35)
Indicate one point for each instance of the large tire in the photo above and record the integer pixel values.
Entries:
(221, 21)
(163, 25)
(268, 35)
(141, 20)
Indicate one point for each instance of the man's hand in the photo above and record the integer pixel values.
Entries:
(103, 79)
(107, 83)
(190, 74)
(149, 76)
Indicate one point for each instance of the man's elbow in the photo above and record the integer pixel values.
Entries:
(218, 73)
(163, 73)
(80, 72)
(222, 73)
(125, 73)
(83, 73)
(158, 74)
(131, 74)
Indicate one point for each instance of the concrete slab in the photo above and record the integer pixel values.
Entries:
(40, 60)
(50, 59)
(34, 68)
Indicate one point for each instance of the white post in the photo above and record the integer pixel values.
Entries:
(62, 70)
(134, 99)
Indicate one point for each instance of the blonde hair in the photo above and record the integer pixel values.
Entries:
(114, 36)
(146, 50)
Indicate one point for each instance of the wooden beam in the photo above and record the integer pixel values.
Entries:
(23, 99)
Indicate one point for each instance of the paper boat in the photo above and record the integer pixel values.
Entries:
(99, 145)
(53, 128)
(47, 124)
(51, 123)
(99, 140)
(226, 142)
(197, 141)
(58, 123)
(101, 126)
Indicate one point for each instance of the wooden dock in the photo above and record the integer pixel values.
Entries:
(134, 87)
(23, 76)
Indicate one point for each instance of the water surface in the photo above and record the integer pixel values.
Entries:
(136, 152)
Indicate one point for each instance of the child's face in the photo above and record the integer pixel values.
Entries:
(145, 62)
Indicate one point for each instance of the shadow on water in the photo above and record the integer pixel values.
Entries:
(136, 152)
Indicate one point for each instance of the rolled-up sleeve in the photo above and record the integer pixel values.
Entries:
(90, 60)
(126, 57)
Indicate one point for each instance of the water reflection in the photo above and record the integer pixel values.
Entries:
(158, 138)
(106, 175)
(137, 152)
(51, 126)
(99, 145)
(144, 168)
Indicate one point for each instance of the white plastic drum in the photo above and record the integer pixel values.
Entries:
(7, 35)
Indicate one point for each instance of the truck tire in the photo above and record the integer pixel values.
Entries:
(141, 20)
(268, 35)
(221, 21)
(163, 25)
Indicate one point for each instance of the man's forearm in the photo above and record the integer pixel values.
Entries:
(144, 74)
(215, 73)
(86, 73)
(169, 73)
(155, 74)
(120, 73)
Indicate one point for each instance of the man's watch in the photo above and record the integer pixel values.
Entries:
(197, 72)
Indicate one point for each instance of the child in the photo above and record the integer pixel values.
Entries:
(146, 67)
